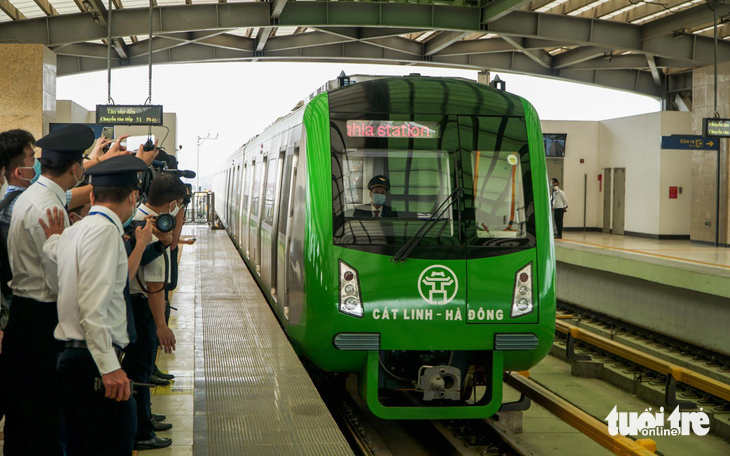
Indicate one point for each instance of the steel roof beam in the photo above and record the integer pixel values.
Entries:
(10, 9)
(655, 72)
(578, 55)
(262, 37)
(310, 39)
(689, 19)
(500, 8)
(631, 80)
(277, 6)
(442, 41)
(540, 57)
(46, 7)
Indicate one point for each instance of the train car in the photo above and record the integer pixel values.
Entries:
(433, 299)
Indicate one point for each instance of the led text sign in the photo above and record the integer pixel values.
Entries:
(391, 129)
(129, 114)
(717, 127)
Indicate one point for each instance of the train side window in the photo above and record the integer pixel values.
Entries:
(270, 190)
(285, 189)
(247, 188)
(256, 191)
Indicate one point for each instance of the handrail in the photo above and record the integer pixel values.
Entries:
(580, 420)
(680, 374)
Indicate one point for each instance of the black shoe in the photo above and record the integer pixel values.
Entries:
(161, 374)
(154, 379)
(160, 426)
(158, 417)
(153, 443)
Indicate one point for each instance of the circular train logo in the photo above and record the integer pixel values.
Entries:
(438, 284)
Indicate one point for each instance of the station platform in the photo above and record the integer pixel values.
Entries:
(239, 388)
(676, 288)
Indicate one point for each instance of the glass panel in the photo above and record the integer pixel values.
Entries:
(256, 191)
(270, 194)
(247, 188)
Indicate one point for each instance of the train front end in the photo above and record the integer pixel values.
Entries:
(451, 282)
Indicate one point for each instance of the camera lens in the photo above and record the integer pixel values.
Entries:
(165, 223)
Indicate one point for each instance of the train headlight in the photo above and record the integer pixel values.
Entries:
(522, 300)
(350, 299)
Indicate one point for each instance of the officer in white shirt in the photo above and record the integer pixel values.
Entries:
(92, 314)
(166, 195)
(29, 345)
(559, 206)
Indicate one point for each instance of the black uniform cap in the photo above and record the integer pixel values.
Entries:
(67, 143)
(117, 171)
(379, 181)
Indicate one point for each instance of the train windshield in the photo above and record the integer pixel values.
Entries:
(466, 178)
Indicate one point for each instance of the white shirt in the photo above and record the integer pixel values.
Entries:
(34, 274)
(92, 273)
(154, 271)
(559, 199)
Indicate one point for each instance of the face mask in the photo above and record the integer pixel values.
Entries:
(175, 211)
(78, 182)
(378, 199)
(131, 217)
(556, 188)
(36, 167)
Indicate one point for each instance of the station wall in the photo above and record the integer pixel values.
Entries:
(632, 143)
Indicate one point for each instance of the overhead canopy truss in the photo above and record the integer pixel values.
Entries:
(644, 46)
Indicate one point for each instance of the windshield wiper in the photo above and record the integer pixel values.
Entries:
(411, 244)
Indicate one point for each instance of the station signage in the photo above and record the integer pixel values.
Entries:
(689, 142)
(716, 127)
(129, 114)
(391, 129)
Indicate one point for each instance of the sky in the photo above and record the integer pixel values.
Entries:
(236, 101)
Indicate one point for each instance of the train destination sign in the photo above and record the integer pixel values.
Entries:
(391, 129)
(129, 114)
(716, 127)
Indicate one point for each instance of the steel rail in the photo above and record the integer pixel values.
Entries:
(580, 420)
(680, 374)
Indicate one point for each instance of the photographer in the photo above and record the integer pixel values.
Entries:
(166, 195)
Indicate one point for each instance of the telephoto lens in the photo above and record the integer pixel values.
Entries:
(165, 223)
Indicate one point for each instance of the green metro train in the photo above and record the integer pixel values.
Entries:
(452, 284)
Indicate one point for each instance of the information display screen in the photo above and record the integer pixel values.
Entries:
(717, 127)
(554, 144)
(129, 114)
(391, 129)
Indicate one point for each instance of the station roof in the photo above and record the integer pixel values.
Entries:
(644, 46)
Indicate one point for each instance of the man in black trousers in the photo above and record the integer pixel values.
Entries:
(99, 417)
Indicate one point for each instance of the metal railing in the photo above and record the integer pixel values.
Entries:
(201, 208)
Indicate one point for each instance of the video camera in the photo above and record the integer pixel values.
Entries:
(159, 166)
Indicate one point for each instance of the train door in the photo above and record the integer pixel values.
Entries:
(234, 199)
(246, 210)
(284, 227)
(241, 222)
(274, 230)
(268, 229)
(255, 208)
(619, 188)
(607, 200)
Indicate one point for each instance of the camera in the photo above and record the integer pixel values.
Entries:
(163, 222)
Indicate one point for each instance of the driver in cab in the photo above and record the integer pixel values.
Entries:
(379, 187)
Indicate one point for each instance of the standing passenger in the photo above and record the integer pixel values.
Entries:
(560, 205)
(92, 314)
(32, 422)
